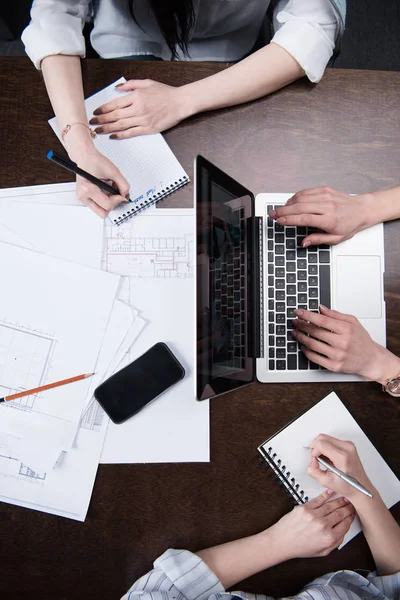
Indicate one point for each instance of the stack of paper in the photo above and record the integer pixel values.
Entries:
(58, 319)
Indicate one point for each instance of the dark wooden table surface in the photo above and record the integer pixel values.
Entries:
(344, 132)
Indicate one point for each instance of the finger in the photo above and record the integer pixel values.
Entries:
(316, 332)
(331, 322)
(335, 314)
(321, 360)
(315, 239)
(297, 208)
(333, 505)
(94, 207)
(306, 220)
(131, 132)
(342, 527)
(113, 116)
(121, 102)
(106, 202)
(320, 500)
(119, 125)
(324, 478)
(134, 84)
(313, 344)
(338, 515)
(313, 194)
(121, 184)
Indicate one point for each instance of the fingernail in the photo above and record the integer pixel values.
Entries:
(330, 492)
(93, 121)
(321, 306)
(295, 322)
(99, 130)
(305, 244)
(299, 312)
(272, 214)
(282, 220)
(346, 499)
(294, 333)
(120, 84)
(97, 112)
(113, 137)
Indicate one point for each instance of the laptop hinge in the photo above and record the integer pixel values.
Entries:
(258, 287)
(260, 249)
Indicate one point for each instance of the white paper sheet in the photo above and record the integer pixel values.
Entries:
(157, 251)
(69, 232)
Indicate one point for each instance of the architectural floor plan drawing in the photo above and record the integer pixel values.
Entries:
(163, 249)
(25, 356)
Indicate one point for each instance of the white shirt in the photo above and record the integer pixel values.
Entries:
(181, 575)
(225, 30)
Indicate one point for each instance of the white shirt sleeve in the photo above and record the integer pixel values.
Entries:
(55, 28)
(307, 29)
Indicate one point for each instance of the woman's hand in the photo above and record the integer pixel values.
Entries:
(341, 216)
(344, 456)
(149, 108)
(313, 529)
(340, 343)
(92, 196)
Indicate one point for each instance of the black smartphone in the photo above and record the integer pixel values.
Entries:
(125, 393)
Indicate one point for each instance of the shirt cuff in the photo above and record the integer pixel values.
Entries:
(308, 44)
(55, 34)
(189, 574)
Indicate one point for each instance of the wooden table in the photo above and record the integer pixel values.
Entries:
(344, 133)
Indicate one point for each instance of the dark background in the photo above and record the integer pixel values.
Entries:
(371, 40)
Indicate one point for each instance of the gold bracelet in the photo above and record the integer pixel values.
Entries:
(68, 127)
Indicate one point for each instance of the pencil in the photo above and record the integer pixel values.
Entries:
(73, 167)
(42, 388)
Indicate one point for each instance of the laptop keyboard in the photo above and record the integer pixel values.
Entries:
(229, 288)
(296, 278)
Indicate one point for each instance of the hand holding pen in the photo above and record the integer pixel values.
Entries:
(342, 470)
(98, 195)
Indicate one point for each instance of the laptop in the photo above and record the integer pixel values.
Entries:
(251, 275)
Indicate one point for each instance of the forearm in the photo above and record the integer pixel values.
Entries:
(261, 73)
(63, 78)
(382, 206)
(234, 561)
(381, 532)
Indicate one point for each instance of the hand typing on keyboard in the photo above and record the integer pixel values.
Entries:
(339, 215)
(339, 343)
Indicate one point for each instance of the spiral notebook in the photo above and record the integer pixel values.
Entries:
(286, 455)
(146, 161)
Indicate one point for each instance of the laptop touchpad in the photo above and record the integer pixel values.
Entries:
(359, 283)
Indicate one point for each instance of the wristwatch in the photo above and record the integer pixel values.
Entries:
(392, 386)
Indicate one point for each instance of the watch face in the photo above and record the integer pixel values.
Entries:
(393, 387)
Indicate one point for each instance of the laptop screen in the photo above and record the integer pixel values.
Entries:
(224, 294)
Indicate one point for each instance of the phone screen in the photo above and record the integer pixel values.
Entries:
(129, 390)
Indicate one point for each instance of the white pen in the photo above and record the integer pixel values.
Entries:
(347, 478)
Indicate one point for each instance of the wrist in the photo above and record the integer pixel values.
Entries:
(274, 542)
(372, 209)
(189, 100)
(78, 141)
(383, 367)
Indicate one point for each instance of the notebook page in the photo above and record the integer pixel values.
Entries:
(147, 162)
(330, 416)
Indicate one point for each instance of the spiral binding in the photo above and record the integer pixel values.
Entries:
(283, 475)
(151, 200)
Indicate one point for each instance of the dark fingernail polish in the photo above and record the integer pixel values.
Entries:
(120, 84)
(99, 130)
(113, 137)
(97, 112)
(93, 121)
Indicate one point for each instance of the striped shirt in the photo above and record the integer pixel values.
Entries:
(182, 575)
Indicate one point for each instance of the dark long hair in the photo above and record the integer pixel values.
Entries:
(175, 18)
